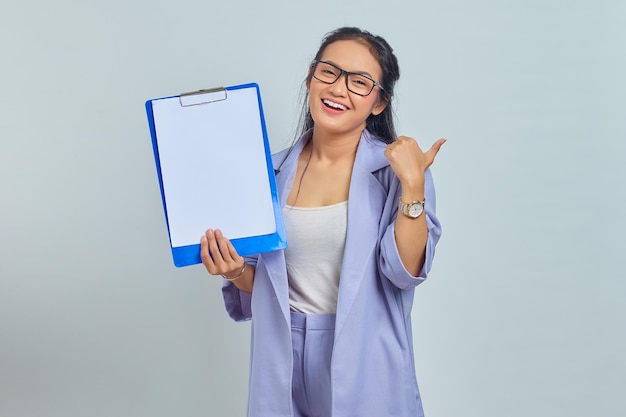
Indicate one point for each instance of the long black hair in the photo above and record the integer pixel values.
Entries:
(382, 125)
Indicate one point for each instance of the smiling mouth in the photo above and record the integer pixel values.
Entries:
(334, 105)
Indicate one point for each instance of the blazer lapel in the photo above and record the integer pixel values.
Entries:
(365, 205)
(286, 163)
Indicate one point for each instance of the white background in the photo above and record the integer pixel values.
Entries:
(524, 313)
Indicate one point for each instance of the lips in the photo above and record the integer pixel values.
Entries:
(334, 105)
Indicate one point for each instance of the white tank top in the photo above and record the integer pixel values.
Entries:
(316, 238)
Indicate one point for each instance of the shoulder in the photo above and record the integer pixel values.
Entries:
(280, 157)
(372, 143)
(371, 153)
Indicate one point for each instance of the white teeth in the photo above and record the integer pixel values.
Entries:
(334, 105)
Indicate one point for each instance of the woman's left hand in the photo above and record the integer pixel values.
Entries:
(408, 161)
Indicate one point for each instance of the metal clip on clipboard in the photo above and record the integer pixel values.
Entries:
(196, 98)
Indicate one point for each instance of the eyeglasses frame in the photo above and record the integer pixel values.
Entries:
(346, 74)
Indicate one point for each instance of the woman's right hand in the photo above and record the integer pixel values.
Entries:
(219, 257)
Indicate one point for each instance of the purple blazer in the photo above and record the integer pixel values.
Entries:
(372, 369)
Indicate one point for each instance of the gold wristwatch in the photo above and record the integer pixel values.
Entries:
(412, 210)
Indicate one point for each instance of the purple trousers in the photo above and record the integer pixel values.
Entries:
(312, 337)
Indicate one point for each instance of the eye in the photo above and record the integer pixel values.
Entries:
(360, 81)
(329, 71)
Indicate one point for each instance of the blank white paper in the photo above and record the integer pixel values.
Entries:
(213, 167)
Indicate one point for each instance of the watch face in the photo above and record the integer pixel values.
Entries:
(415, 209)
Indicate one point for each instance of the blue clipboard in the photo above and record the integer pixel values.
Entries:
(215, 170)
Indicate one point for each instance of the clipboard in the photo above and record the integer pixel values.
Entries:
(215, 170)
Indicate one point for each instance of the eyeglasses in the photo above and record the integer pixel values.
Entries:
(355, 82)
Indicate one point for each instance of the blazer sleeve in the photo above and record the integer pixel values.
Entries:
(390, 263)
(238, 303)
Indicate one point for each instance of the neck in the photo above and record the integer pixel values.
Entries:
(330, 148)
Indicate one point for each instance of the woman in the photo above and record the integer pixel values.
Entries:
(331, 315)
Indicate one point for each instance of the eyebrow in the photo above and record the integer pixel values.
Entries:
(353, 72)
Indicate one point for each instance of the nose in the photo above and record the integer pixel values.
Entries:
(340, 86)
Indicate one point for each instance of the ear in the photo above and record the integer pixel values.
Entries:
(379, 107)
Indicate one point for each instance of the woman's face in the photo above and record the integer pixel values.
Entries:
(336, 110)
